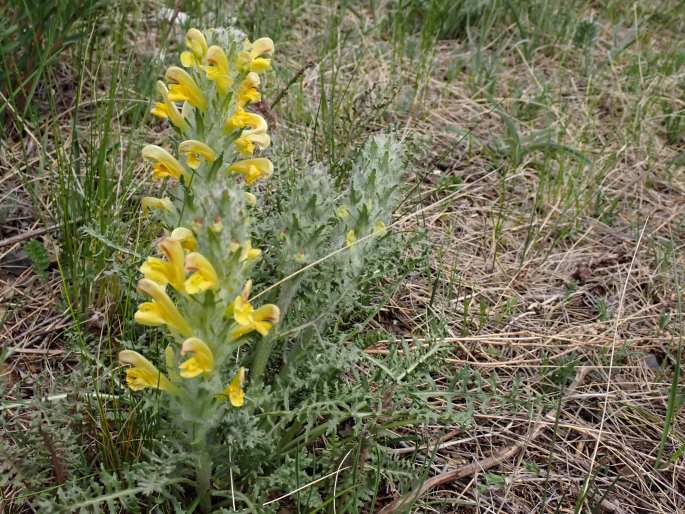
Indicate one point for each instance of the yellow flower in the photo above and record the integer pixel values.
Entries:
(342, 212)
(379, 228)
(255, 136)
(217, 226)
(160, 311)
(248, 253)
(185, 237)
(167, 109)
(197, 44)
(350, 238)
(203, 274)
(150, 202)
(242, 119)
(246, 144)
(250, 199)
(253, 169)
(164, 164)
(169, 271)
(250, 59)
(247, 91)
(202, 360)
(193, 150)
(234, 391)
(143, 374)
(218, 69)
(184, 88)
(248, 318)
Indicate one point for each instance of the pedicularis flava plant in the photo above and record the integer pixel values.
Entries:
(198, 285)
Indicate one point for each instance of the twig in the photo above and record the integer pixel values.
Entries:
(28, 235)
(294, 78)
(489, 462)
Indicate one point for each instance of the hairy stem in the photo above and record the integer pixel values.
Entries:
(203, 469)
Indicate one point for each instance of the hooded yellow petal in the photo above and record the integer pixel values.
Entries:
(263, 45)
(160, 110)
(188, 60)
(193, 150)
(149, 314)
(218, 69)
(248, 253)
(242, 119)
(173, 251)
(186, 237)
(184, 88)
(161, 309)
(162, 204)
(246, 144)
(169, 108)
(156, 269)
(164, 164)
(250, 59)
(243, 311)
(253, 169)
(203, 274)
(143, 374)
(202, 360)
(196, 42)
(247, 91)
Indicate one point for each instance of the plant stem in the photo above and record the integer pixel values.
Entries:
(203, 470)
(203, 476)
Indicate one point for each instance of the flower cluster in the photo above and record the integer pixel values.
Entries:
(198, 282)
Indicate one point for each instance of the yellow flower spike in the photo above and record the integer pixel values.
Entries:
(250, 199)
(162, 204)
(248, 253)
(234, 390)
(185, 237)
(379, 228)
(218, 70)
(167, 109)
(203, 274)
(197, 44)
(161, 311)
(242, 119)
(194, 151)
(246, 144)
(163, 163)
(202, 360)
(143, 374)
(350, 238)
(251, 57)
(253, 169)
(247, 91)
(184, 88)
